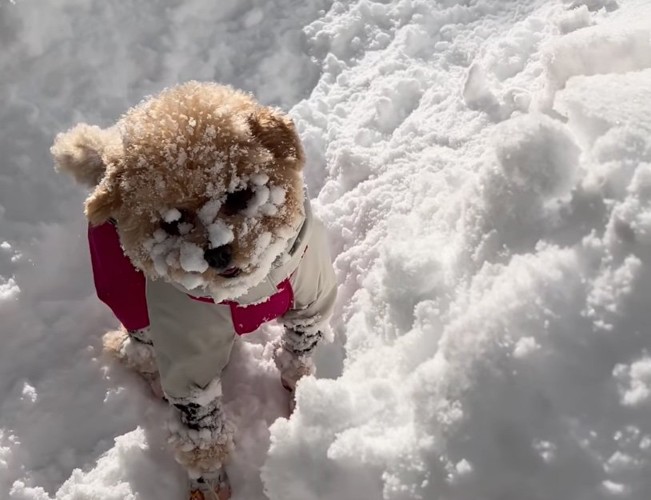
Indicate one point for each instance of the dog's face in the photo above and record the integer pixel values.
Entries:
(204, 186)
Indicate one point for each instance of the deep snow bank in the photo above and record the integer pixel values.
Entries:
(488, 170)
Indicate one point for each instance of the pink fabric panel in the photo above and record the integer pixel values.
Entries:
(247, 319)
(119, 285)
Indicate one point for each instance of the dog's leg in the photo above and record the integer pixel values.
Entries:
(293, 357)
(202, 440)
(135, 350)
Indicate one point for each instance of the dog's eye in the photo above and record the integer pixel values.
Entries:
(172, 227)
(237, 201)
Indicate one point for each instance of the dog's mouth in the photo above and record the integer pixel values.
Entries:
(231, 272)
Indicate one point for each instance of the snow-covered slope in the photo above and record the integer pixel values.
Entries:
(484, 169)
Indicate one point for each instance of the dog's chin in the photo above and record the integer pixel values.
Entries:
(231, 272)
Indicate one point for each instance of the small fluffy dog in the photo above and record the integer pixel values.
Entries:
(199, 230)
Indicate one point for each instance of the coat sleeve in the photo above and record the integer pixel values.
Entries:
(314, 285)
(118, 284)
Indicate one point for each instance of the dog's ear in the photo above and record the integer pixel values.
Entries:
(277, 133)
(103, 203)
(80, 152)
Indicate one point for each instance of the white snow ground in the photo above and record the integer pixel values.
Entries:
(484, 169)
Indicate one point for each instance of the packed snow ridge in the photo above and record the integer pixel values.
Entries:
(484, 170)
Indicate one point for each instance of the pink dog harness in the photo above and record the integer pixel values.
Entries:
(122, 287)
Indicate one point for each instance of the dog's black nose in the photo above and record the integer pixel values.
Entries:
(219, 257)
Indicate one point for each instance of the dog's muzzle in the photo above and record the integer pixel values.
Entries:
(220, 257)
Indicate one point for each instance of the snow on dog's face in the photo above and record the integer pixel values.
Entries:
(203, 183)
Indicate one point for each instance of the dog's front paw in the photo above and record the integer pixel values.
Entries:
(201, 451)
(135, 351)
(131, 349)
(292, 366)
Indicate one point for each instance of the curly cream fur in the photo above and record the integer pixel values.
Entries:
(291, 366)
(80, 152)
(135, 356)
(191, 142)
(200, 461)
(202, 452)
